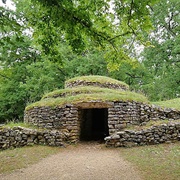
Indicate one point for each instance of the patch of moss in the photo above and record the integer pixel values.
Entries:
(99, 79)
(173, 103)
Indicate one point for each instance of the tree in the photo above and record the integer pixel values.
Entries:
(91, 63)
(83, 22)
(24, 75)
(161, 60)
(65, 39)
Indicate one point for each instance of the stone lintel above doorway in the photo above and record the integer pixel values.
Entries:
(98, 105)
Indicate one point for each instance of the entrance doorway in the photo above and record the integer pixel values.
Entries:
(94, 124)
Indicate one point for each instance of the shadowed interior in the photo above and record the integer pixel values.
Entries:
(94, 124)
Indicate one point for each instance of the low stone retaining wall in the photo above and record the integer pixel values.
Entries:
(18, 137)
(155, 135)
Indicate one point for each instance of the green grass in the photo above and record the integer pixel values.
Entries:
(159, 162)
(77, 90)
(173, 103)
(18, 158)
(85, 90)
(87, 94)
(149, 124)
(12, 124)
(103, 95)
(99, 79)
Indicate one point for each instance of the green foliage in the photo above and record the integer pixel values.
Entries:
(46, 42)
(89, 63)
(13, 99)
(161, 59)
(24, 84)
(83, 23)
(42, 77)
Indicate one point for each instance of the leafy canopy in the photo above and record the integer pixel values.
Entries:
(162, 59)
(110, 25)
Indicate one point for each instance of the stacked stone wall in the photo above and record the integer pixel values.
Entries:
(122, 114)
(19, 136)
(67, 119)
(64, 119)
(153, 112)
(97, 84)
(155, 135)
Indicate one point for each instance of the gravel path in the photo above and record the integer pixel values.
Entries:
(80, 162)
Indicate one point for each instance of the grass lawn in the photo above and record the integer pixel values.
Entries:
(12, 124)
(155, 162)
(173, 103)
(18, 158)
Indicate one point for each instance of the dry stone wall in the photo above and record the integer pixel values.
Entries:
(97, 84)
(154, 135)
(19, 136)
(122, 114)
(64, 119)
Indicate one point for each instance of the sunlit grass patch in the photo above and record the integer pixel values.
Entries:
(18, 158)
(173, 103)
(12, 124)
(151, 123)
(160, 162)
(99, 79)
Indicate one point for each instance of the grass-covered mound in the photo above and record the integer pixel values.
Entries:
(79, 94)
(86, 94)
(96, 79)
(173, 103)
(84, 90)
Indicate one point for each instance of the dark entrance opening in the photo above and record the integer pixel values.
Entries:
(94, 124)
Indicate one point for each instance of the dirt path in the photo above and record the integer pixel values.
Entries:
(81, 162)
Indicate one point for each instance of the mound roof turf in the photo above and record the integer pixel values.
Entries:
(80, 90)
(99, 79)
(82, 94)
(87, 94)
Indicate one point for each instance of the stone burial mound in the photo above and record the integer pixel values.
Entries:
(97, 108)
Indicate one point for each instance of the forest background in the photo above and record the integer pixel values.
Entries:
(43, 43)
